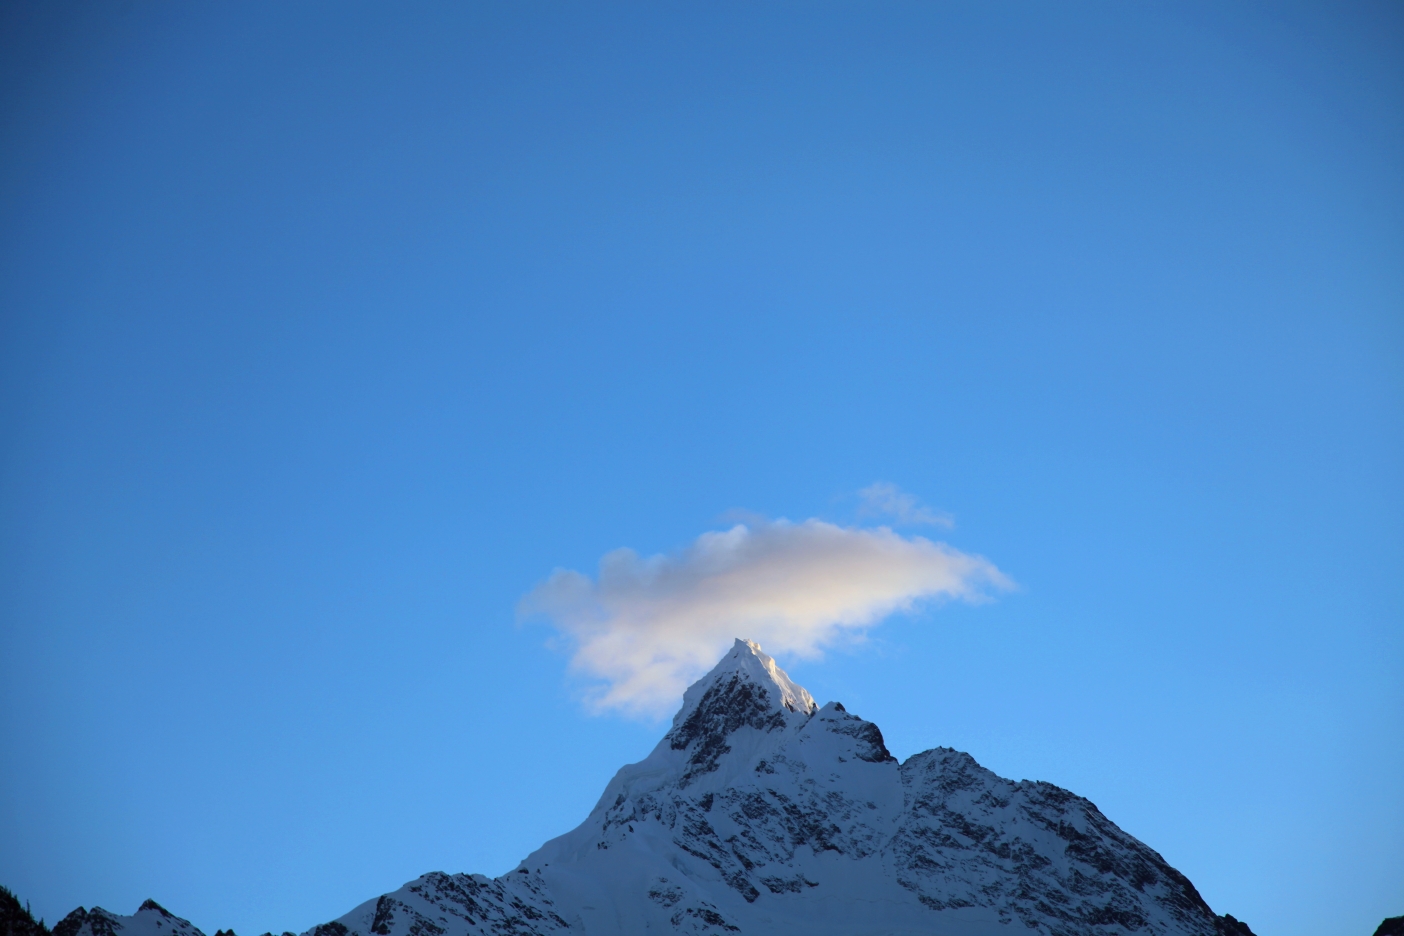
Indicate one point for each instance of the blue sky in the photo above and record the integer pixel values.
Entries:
(330, 331)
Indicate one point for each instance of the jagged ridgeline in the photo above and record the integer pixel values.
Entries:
(761, 812)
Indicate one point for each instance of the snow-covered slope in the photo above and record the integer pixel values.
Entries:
(760, 812)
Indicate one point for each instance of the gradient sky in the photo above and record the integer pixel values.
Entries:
(329, 331)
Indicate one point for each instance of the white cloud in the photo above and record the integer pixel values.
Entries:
(648, 627)
(885, 499)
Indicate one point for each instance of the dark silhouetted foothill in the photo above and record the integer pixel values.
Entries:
(15, 918)
(1392, 926)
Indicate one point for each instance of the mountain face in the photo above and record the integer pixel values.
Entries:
(761, 812)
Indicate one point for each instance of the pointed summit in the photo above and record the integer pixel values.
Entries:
(745, 690)
(746, 662)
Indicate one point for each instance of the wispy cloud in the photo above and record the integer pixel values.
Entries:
(885, 499)
(647, 627)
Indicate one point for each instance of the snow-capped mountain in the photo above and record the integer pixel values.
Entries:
(761, 812)
(151, 919)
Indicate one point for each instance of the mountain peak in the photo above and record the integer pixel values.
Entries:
(745, 690)
(748, 663)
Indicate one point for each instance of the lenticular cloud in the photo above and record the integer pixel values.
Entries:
(650, 626)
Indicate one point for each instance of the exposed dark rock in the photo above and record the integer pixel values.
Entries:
(71, 923)
(723, 709)
(873, 749)
(97, 920)
(1230, 926)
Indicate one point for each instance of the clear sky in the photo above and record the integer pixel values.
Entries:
(330, 331)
